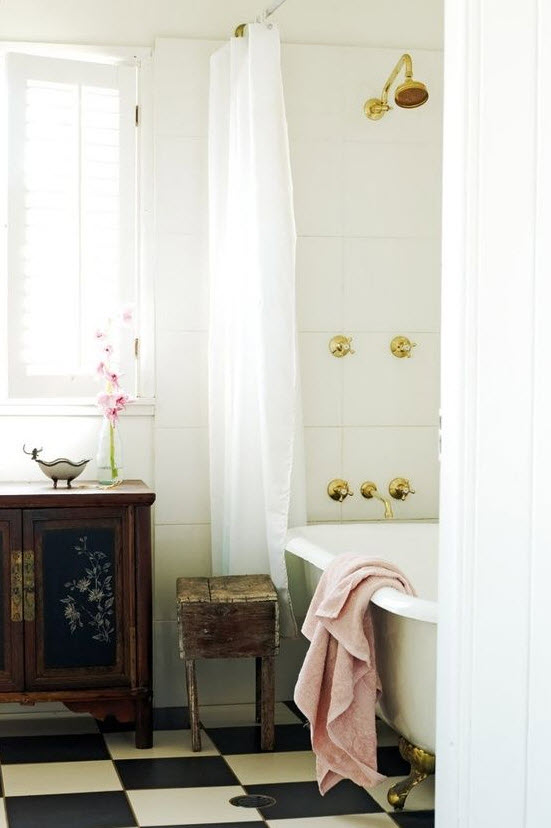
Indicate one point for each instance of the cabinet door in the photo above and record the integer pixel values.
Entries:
(11, 601)
(78, 603)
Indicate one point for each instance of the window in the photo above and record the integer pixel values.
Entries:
(72, 219)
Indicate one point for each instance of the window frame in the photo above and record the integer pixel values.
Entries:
(141, 57)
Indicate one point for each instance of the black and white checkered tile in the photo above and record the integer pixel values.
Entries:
(66, 772)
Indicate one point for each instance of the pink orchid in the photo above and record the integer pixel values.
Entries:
(108, 349)
(100, 334)
(127, 316)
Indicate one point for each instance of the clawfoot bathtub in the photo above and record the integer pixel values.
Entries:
(405, 626)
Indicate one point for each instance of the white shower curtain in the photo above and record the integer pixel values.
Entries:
(254, 401)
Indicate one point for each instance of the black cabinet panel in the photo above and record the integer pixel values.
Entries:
(79, 582)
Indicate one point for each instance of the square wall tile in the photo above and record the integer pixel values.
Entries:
(313, 90)
(169, 675)
(181, 283)
(181, 377)
(317, 183)
(319, 283)
(182, 475)
(364, 72)
(392, 284)
(380, 389)
(181, 79)
(381, 454)
(181, 181)
(323, 449)
(322, 381)
(179, 551)
(392, 190)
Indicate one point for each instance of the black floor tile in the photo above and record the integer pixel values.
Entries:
(195, 772)
(68, 748)
(391, 763)
(88, 810)
(413, 819)
(295, 800)
(232, 740)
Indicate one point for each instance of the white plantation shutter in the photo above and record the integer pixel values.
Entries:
(71, 218)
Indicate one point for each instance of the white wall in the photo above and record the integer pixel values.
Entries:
(367, 201)
(367, 198)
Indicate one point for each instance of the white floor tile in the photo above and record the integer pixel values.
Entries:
(46, 724)
(236, 715)
(347, 821)
(60, 778)
(269, 768)
(420, 799)
(3, 818)
(196, 806)
(167, 744)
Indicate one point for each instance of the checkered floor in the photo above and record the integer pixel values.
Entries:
(60, 771)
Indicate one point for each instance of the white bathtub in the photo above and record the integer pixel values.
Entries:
(405, 627)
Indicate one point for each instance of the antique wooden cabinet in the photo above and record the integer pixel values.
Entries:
(75, 599)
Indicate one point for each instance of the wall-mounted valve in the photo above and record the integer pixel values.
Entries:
(402, 347)
(339, 489)
(400, 488)
(340, 346)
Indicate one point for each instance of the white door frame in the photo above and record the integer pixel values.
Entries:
(494, 650)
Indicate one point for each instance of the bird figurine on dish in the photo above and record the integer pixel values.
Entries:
(59, 469)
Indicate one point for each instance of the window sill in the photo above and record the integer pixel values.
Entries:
(143, 407)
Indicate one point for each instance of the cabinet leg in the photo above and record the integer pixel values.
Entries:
(258, 689)
(144, 722)
(193, 703)
(267, 703)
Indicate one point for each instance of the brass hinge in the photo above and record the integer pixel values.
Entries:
(28, 585)
(16, 585)
(137, 347)
(137, 115)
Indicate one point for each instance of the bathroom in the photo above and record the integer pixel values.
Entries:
(384, 262)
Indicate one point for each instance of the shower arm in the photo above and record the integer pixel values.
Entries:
(406, 61)
(262, 17)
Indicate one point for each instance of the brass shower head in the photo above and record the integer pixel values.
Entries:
(409, 95)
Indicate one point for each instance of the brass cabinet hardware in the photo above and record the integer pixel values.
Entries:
(400, 488)
(340, 346)
(369, 490)
(402, 347)
(28, 585)
(339, 489)
(16, 585)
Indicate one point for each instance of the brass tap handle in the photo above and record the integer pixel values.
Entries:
(400, 488)
(340, 346)
(402, 347)
(339, 490)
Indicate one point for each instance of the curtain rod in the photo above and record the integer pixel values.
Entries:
(240, 31)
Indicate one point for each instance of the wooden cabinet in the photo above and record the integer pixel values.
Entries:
(75, 599)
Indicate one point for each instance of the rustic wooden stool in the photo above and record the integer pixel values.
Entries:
(235, 616)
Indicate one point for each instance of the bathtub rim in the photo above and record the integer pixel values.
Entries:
(398, 603)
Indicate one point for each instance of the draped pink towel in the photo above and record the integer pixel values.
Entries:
(338, 685)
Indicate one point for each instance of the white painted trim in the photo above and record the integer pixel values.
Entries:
(494, 667)
(69, 51)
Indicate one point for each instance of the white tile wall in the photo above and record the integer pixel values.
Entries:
(367, 201)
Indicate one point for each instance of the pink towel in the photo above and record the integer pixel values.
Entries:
(338, 686)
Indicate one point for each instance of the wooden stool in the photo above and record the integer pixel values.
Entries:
(235, 616)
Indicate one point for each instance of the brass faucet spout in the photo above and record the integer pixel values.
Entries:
(369, 490)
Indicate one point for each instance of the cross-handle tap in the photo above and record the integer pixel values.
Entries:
(369, 490)
(339, 489)
(400, 488)
(341, 345)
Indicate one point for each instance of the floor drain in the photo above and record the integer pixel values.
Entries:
(256, 801)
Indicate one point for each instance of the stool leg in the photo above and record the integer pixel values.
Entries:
(193, 702)
(258, 688)
(267, 703)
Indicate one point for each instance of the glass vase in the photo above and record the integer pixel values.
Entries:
(109, 456)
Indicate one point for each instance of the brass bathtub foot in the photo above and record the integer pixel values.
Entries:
(422, 765)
